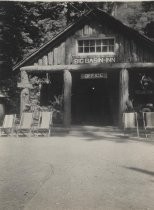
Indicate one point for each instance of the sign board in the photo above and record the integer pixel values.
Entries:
(93, 60)
(94, 76)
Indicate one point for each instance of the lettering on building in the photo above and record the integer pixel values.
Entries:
(93, 60)
(94, 76)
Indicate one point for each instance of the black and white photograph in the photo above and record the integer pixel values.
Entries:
(76, 105)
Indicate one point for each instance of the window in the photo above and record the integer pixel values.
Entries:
(96, 46)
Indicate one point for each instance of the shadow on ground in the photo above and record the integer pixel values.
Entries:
(108, 133)
(94, 133)
(151, 173)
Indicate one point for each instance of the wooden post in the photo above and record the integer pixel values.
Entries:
(123, 92)
(67, 98)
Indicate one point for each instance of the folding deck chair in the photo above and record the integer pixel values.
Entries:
(148, 121)
(45, 123)
(130, 121)
(8, 125)
(26, 123)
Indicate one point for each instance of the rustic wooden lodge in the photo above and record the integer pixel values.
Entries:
(91, 70)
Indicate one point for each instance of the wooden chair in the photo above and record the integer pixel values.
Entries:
(148, 121)
(45, 123)
(26, 123)
(8, 125)
(130, 121)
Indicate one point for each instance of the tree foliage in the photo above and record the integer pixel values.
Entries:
(25, 26)
(28, 25)
(148, 8)
(139, 16)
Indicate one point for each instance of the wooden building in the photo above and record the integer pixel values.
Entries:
(96, 65)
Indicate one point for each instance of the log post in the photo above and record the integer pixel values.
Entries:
(123, 92)
(67, 98)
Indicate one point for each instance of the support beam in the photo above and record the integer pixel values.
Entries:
(108, 66)
(123, 92)
(67, 98)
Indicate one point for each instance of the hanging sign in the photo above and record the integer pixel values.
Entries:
(94, 76)
(93, 60)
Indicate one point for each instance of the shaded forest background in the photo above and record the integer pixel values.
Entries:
(25, 26)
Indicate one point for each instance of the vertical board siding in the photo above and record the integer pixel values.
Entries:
(55, 56)
(45, 60)
(68, 51)
(59, 55)
(73, 49)
(63, 53)
(40, 62)
(127, 49)
(50, 58)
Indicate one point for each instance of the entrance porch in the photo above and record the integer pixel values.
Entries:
(87, 101)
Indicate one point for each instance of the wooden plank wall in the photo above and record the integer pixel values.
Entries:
(127, 50)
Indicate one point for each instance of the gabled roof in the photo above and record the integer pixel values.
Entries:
(98, 13)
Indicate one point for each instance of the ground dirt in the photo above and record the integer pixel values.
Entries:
(78, 172)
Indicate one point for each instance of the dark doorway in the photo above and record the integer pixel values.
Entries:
(94, 99)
